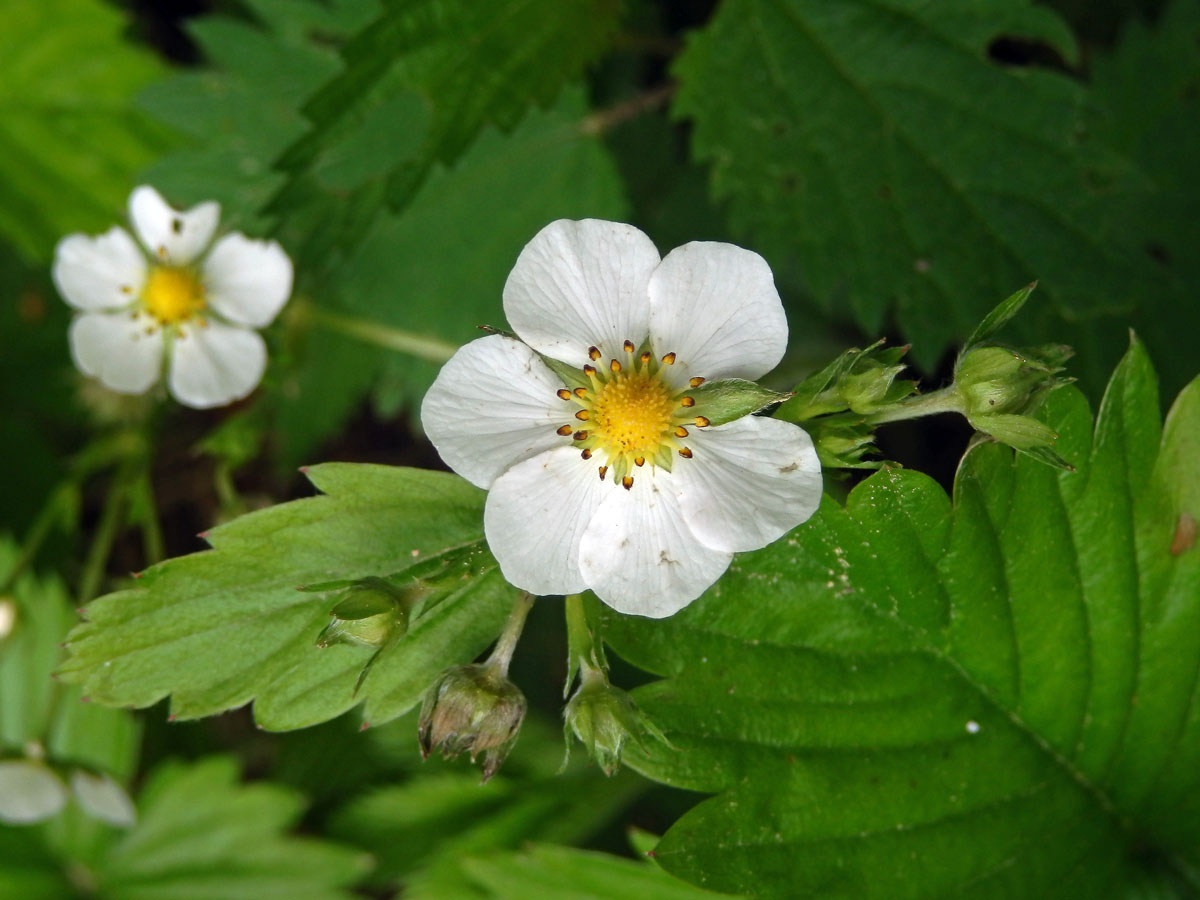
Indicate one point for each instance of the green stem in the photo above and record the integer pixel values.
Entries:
(37, 535)
(111, 520)
(152, 536)
(945, 400)
(585, 654)
(502, 653)
(420, 346)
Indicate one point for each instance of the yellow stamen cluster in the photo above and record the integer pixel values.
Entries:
(172, 295)
(629, 414)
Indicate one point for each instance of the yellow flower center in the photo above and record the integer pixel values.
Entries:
(172, 295)
(630, 414)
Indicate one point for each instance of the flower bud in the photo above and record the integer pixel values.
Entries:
(997, 380)
(604, 718)
(472, 709)
(368, 614)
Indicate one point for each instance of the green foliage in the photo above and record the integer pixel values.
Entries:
(426, 76)
(220, 628)
(70, 139)
(36, 710)
(879, 146)
(559, 872)
(199, 836)
(993, 697)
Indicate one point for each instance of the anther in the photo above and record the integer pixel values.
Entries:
(680, 431)
(580, 435)
(580, 392)
(564, 394)
(629, 346)
(594, 353)
(639, 460)
(702, 422)
(565, 430)
(627, 482)
(687, 401)
(583, 415)
(669, 359)
(586, 454)
(646, 357)
(685, 452)
(603, 472)
(589, 371)
(614, 366)
(696, 382)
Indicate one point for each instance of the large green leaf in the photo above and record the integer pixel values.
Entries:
(878, 149)
(993, 697)
(220, 628)
(70, 139)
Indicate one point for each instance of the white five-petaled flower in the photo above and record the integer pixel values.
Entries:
(174, 301)
(607, 479)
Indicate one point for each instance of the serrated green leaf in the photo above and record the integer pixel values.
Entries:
(878, 145)
(70, 139)
(220, 628)
(917, 698)
(473, 63)
(202, 836)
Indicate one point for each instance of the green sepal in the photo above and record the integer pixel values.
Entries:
(727, 399)
(571, 376)
(998, 317)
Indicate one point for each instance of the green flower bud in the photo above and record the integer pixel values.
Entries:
(842, 446)
(471, 709)
(604, 718)
(997, 380)
(368, 614)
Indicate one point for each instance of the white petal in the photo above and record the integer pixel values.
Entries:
(247, 281)
(172, 236)
(216, 365)
(29, 792)
(638, 555)
(103, 799)
(749, 482)
(716, 307)
(100, 272)
(493, 405)
(581, 284)
(115, 348)
(535, 515)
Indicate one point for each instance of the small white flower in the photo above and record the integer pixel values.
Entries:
(616, 485)
(178, 302)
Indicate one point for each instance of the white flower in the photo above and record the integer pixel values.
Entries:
(604, 477)
(178, 302)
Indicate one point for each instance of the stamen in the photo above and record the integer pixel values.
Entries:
(702, 422)
(581, 392)
(564, 394)
(646, 357)
(614, 366)
(586, 454)
(687, 401)
(685, 452)
(583, 415)
(580, 435)
(669, 359)
(594, 353)
(680, 431)
(589, 371)
(629, 346)
(627, 482)
(603, 472)
(639, 460)
(565, 430)
(696, 382)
